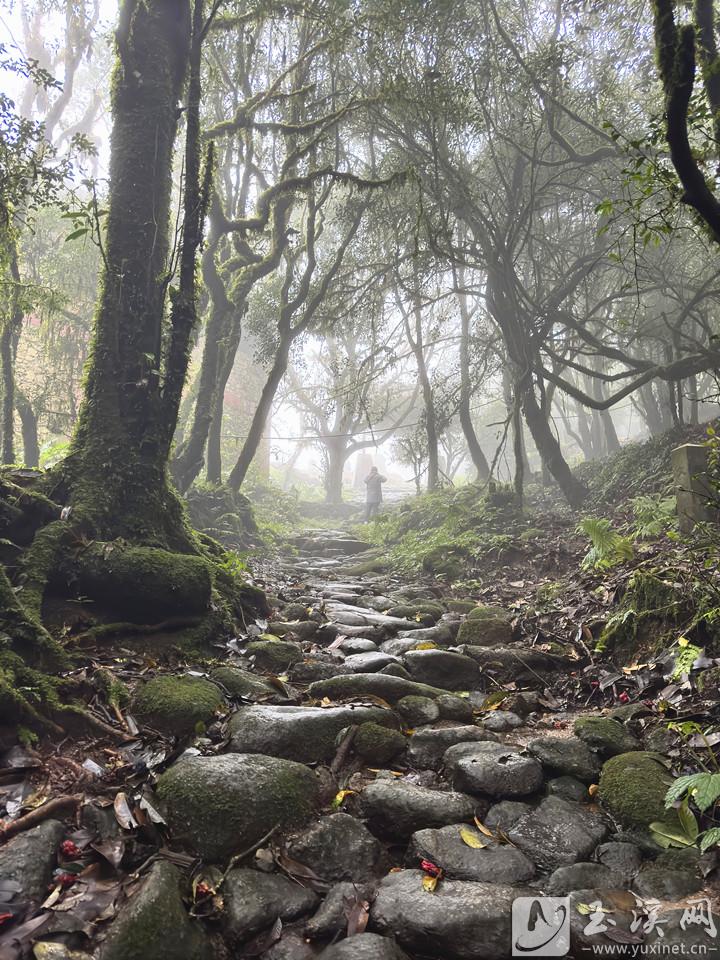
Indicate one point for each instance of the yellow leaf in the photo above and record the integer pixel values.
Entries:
(471, 839)
(409, 732)
(683, 642)
(593, 789)
(326, 702)
(339, 797)
(482, 828)
(426, 645)
(430, 882)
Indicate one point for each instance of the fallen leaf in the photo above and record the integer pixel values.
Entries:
(123, 814)
(340, 796)
(593, 789)
(471, 839)
(482, 828)
(429, 882)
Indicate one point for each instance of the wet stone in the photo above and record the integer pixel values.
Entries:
(496, 774)
(569, 788)
(501, 816)
(305, 734)
(558, 833)
(331, 915)
(428, 747)
(364, 946)
(462, 920)
(492, 863)
(255, 900)
(442, 668)
(577, 876)
(624, 859)
(501, 720)
(454, 708)
(674, 875)
(566, 755)
(29, 859)
(369, 662)
(378, 745)
(417, 711)
(396, 809)
(337, 847)
(353, 645)
(605, 735)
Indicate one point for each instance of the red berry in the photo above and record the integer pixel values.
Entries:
(624, 698)
(70, 849)
(66, 879)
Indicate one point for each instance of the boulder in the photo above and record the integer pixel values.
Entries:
(462, 920)
(223, 804)
(364, 946)
(305, 734)
(271, 655)
(501, 816)
(428, 747)
(242, 683)
(352, 645)
(396, 808)
(579, 876)
(500, 721)
(442, 668)
(558, 833)
(29, 859)
(376, 744)
(624, 859)
(509, 663)
(154, 923)
(491, 862)
(674, 875)
(337, 847)
(369, 662)
(606, 736)
(566, 755)
(255, 900)
(633, 786)
(499, 773)
(331, 917)
(298, 630)
(178, 705)
(380, 685)
(569, 788)
(417, 711)
(454, 708)
(491, 632)
(443, 634)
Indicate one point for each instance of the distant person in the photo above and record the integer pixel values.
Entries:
(373, 498)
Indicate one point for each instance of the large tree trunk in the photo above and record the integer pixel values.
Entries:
(9, 336)
(337, 454)
(482, 467)
(548, 447)
(116, 471)
(29, 426)
(260, 417)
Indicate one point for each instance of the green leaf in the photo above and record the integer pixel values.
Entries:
(680, 787)
(76, 234)
(707, 791)
(668, 836)
(709, 839)
(688, 821)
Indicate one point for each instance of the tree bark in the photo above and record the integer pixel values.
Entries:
(482, 467)
(29, 426)
(337, 454)
(116, 471)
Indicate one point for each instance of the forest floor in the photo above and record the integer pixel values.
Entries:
(380, 770)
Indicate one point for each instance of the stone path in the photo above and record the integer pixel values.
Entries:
(368, 809)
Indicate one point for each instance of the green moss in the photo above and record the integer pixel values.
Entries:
(175, 705)
(273, 655)
(488, 632)
(547, 592)
(378, 744)
(241, 683)
(605, 735)
(633, 786)
(651, 612)
(461, 606)
(115, 691)
(374, 565)
(708, 683)
(489, 613)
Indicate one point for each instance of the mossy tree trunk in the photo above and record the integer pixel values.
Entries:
(116, 473)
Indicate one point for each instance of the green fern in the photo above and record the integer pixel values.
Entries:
(654, 516)
(608, 548)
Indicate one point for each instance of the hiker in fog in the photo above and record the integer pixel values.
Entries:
(373, 498)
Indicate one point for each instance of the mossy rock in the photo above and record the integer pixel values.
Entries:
(223, 804)
(241, 683)
(378, 744)
(633, 787)
(447, 561)
(411, 611)
(374, 565)
(177, 704)
(649, 616)
(485, 632)
(417, 711)
(461, 606)
(302, 629)
(708, 683)
(294, 611)
(273, 655)
(489, 612)
(155, 924)
(143, 584)
(605, 735)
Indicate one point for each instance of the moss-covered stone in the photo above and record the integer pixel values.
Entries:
(633, 786)
(417, 711)
(177, 705)
(273, 655)
(605, 735)
(241, 683)
(488, 612)
(155, 924)
(143, 584)
(447, 561)
(708, 683)
(485, 632)
(224, 804)
(378, 744)
(302, 629)
(461, 606)
(650, 614)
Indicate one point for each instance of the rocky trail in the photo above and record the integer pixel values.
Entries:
(376, 773)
